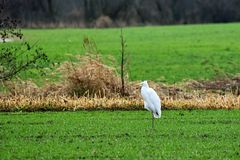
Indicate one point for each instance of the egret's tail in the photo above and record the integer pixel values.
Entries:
(157, 114)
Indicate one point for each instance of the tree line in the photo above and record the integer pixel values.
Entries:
(108, 13)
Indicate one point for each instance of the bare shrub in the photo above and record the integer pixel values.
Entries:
(52, 89)
(91, 78)
(103, 22)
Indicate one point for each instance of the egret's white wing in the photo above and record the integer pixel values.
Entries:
(147, 103)
(155, 101)
(146, 106)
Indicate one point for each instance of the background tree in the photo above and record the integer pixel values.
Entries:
(20, 57)
(123, 12)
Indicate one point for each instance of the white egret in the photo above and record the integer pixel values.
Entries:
(152, 101)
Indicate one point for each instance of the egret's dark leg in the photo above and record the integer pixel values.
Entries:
(152, 120)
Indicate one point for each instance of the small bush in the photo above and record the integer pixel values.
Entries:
(103, 22)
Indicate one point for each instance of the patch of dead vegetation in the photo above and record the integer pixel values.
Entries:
(90, 78)
(221, 86)
(59, 103)
(89, 84)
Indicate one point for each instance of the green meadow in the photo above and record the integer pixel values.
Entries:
(182, 134)
(160, 53)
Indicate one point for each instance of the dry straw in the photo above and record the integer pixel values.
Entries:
(60, 103)
(90, 78)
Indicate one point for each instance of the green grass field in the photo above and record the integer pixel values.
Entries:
(160, 53)
(196, 134)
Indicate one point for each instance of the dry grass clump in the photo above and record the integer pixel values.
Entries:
(20, 87)
(30, 89)
(91, 78)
